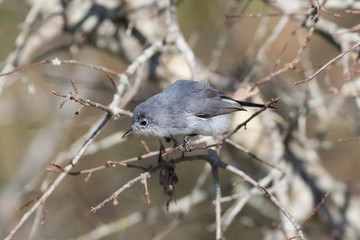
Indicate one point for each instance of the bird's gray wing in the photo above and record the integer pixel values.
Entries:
(210, 103)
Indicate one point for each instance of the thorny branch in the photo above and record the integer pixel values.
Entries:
(86, 102)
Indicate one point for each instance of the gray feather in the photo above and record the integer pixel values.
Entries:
(186, 107)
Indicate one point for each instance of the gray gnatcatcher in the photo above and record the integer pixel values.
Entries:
(186, 108)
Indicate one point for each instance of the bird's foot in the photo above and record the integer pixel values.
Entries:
(187, 143)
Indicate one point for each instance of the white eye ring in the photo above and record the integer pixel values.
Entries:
(143, 123)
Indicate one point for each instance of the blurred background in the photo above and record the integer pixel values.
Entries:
(313, 135)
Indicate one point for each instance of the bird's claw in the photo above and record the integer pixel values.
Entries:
(187, 144)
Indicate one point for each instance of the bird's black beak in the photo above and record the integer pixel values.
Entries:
(130, 131)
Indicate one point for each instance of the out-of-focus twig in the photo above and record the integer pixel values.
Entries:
(59, 179)
(58, 62)
(329, 63)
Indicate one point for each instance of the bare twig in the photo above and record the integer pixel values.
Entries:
(352, 11)
(219, 233)
(86, 102)
(144, 182)
(29, 202)
(269, 104)
(259, 15)
(238, 146)
(145, 146)
(291, 65)
(43, 216)
(131, 69)
(329, 63)
(316, 208)
(312, 213)
(58, 62)
(239, 182)
(176, 36)
(113, 197)
(270, 196)
(349, 139)
(59, 179)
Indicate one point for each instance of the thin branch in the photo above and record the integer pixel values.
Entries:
(59, 179)
(316, 208)
(86, 102)
(291, 65)
(270, 196)
(144, 182)
(131, 69)
(22, 69)
(238, 146)
(29, 202)
(259, 15)
(58, 62)
(352, 11)
(219, 232)
(223, 35)
(145, 146)
(292, 34)
(313, 212)
(116, 194)
(263, 48)
(329, 63)
(175, 35)
(90, 171)
(269, 104)
(43, 216)
(349, 139)
(217, 162)
(126, 162)
(146, 173)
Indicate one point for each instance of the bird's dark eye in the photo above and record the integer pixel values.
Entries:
(143, 123)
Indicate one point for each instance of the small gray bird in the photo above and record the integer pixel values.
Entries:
(186, 108)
